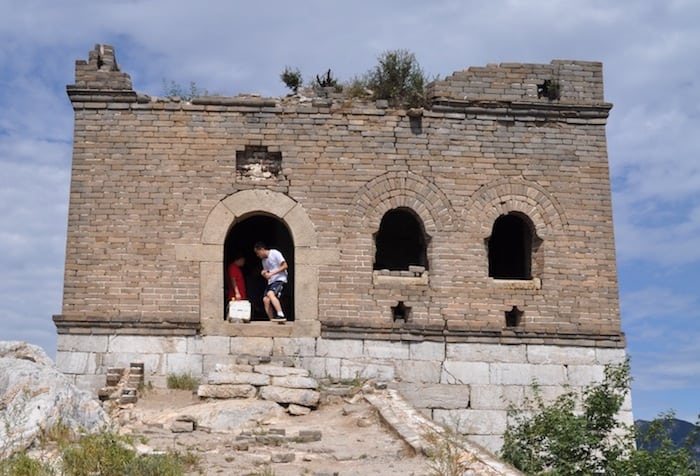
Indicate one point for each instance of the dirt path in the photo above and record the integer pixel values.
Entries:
(249, 437)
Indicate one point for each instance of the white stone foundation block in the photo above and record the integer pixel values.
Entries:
(147, 344)
(352, 369)
(214, 345)
(446, 397)
(432, 351)
(552, 354)
(610, 356)
(339, 348)
(549, 393)
(320, 367)
(584, 375)
(526, 374)
(473, 422)
(386, 350)
(549, 374)
(180, 364)
(464, 372)
(82, 343)
(418, 371)
(486, 353)
(78, 362)
(495, 397)
(294, 347)
(258, 346)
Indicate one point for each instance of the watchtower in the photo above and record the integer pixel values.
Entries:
(460, 250)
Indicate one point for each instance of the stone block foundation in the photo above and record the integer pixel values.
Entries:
(468, 386)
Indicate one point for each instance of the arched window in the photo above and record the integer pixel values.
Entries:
(401, 241)
(510, 247)
(240, 241)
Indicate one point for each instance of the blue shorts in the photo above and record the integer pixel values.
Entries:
(276, 287)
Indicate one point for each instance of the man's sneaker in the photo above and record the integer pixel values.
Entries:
(280, 315)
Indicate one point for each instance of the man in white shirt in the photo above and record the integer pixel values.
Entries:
(275, 271)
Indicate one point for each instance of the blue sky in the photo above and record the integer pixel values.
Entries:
(650, 52)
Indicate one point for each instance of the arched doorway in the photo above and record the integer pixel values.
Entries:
(240, 240)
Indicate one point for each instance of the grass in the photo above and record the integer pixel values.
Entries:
(20, 464)
(446, 456)
(182, 382)
(103, 454)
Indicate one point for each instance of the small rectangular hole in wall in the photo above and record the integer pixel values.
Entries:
(514, 317)
(257, 163)
(400, 312)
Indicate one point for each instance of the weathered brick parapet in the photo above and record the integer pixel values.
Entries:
(563, 81)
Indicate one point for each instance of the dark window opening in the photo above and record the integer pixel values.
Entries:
(401, 241)
(549, 89)
(257, 163)
(400, 311)
(514, 317)
(240, 241)
(510, 248)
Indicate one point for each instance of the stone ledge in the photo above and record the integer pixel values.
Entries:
(518, 110)
(83, 324)
(509, 336)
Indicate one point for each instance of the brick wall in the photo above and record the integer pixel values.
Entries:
(149, 172)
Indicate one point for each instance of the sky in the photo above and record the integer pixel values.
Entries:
(651, 58)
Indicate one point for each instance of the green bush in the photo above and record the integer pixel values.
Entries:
(291, 78)
(398, 78)
(579, 434)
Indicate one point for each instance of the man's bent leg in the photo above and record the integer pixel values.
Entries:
(275, 302)
(268, 305)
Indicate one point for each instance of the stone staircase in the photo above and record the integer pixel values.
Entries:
(280, 382)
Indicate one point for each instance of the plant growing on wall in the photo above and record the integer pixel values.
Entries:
(291, 78)
(326, 80)
(173, 89)
(398, 78)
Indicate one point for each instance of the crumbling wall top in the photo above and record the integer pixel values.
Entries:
(100, 71)
(564, 81)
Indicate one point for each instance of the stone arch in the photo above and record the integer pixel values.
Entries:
(514, 195)
(307, 256)
(243, 203)
(395, 190)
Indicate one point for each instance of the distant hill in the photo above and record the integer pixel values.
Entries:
(678, 431)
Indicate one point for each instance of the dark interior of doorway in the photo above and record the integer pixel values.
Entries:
(240, 240)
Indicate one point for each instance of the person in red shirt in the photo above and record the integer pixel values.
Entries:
(236, 281)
